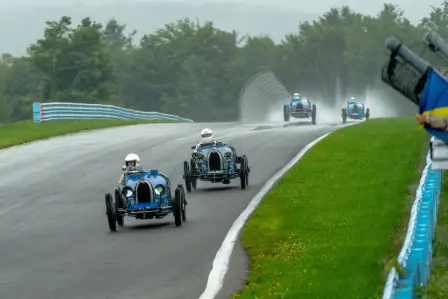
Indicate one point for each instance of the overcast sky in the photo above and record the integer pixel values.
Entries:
(414, 9)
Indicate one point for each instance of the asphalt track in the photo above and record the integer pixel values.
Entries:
(55, 241)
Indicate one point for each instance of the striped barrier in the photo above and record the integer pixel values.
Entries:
(43, 112)
(416, 254)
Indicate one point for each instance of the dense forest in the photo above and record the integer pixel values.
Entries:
(188, 67)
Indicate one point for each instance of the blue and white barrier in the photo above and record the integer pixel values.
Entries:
(416, 254)
(43, 112)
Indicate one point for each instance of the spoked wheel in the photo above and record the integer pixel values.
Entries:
(184, 203)
(110, 212)
(344, 115)
(194, 182)
(119, 204)
(178, 206)
(244, 172)
(187, 177)
(285, 113)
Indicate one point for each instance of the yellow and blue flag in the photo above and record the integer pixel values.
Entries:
(434, 101)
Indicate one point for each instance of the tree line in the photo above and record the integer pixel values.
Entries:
(188, 67)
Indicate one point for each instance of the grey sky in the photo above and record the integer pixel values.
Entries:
(275, 18)
(414, 9)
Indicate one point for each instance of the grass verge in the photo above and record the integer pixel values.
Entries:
(326, 228)
(438, 281)
(22, 132)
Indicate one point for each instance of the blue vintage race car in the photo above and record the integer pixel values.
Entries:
(354, 110)
(299, 108)
(145, 195)
(215, 163)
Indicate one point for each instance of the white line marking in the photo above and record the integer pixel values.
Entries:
(222, 258)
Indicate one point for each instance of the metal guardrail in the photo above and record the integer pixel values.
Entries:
(416, 254)
(43, 112)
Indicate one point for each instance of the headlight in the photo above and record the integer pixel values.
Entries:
(159, 189)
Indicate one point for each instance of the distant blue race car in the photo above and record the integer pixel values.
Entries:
(299, 109)
(355, 110)
(145, 195)
(215, 163)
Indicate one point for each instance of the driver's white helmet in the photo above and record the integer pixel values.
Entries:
(296, 96)
(352, 99)
(132, 158)
(207, 135)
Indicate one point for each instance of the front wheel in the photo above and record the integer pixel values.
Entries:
(179, 207)
(244, 172)
(119, 204)
(110, 212)
(285, 113)
(344, 115)
(194, 182)
(187, 177)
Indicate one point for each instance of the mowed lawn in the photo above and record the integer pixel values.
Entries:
(22, 132)
(328, 226)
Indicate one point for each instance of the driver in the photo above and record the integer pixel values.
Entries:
(207, 138)
(297, 96)
(132, 163)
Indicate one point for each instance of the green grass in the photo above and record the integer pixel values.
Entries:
(438, 282)
(327, 228)
(22, 132)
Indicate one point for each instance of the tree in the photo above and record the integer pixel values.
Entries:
(188, 67)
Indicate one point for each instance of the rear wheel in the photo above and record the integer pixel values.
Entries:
(367, 113)
(314, 114)
(110, 212)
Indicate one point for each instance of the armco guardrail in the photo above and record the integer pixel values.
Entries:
(43, 112)
(416, 255)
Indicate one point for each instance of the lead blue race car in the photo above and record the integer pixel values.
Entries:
(300, 108)
(216, 162)
(355, 110)
(145, 195)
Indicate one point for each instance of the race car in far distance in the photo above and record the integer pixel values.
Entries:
(299, 107)
(216, 162)
(145, 195)
(355, 110)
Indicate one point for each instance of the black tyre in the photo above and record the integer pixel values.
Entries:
(367, 113)
(177, 206)
(314, 114)
(187, 177)
(184, 206)
(119, 204)
(194, 182)
(285, 113)
(344, 115)
(110, 212)
(244, 173)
